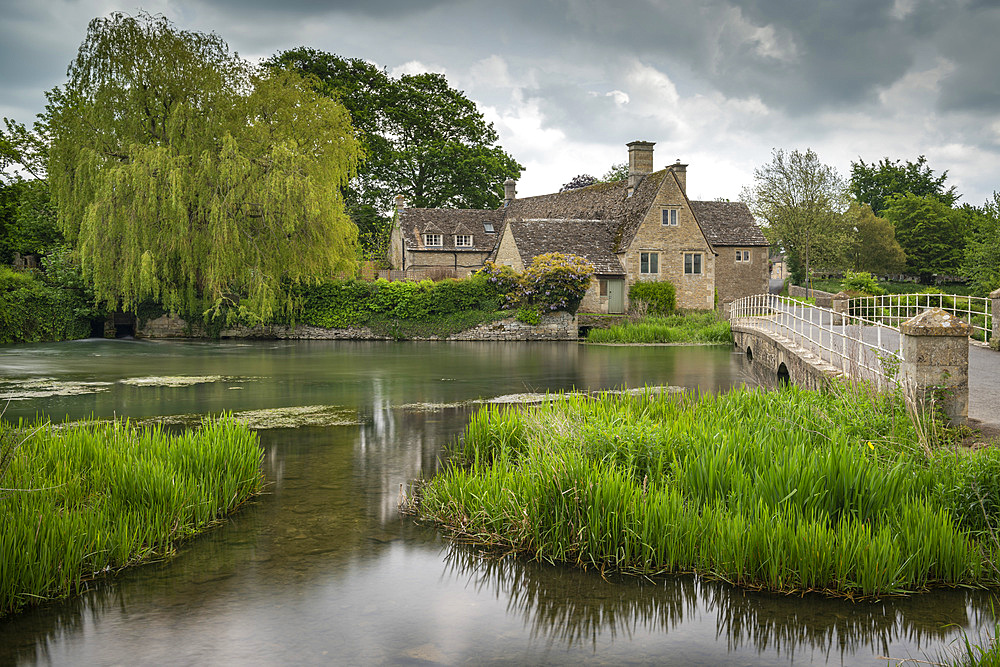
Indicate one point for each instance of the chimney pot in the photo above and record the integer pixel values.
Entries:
(400, 202)
(509, 191)
(640, 162)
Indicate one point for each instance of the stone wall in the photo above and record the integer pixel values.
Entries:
(557, 326)
(507, 254)
(672, 242)
(823, 299)
(735, 280)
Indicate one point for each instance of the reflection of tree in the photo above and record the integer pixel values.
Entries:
(568, 606)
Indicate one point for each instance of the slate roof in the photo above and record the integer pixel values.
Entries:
(728, 223)
(589, 239)
(594, 222)
(607, 202)
(414, 222)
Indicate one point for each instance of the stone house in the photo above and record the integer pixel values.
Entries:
(643, 228)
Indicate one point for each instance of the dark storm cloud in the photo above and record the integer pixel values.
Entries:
(387, 9)
(968, 40)
(792, 54)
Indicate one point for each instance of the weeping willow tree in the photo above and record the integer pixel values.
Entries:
(184, 175)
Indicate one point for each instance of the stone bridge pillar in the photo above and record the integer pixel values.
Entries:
(839, 303)
(935, 347)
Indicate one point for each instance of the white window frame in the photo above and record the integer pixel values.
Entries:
(743, 256)
(463, 240)
(433, 241)
(652, 262)
(669, 216)
(695, 258)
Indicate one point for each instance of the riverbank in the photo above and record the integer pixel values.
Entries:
(790, 491)
(83, 501)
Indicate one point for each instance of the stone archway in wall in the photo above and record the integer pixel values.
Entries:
(783, 376)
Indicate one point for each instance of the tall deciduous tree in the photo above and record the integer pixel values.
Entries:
(931, 233)
(981, 263)
(181, 172)
(422, 138)
(27, 217)
(874, 184)
(800, 200)
(873, 247)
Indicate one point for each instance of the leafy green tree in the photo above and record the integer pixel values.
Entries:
(931, 233)
(617, 172)
(182, 173)
(27, 217)
(800, 200)
(421, 138)
(981, 263)
(873, 247)
(874, 184)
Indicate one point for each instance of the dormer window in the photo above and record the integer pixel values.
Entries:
(463, 240)
(669, 217)
(433, 240)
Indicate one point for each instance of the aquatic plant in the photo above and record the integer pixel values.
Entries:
(693, 327)
(81, 501)
(790, 490)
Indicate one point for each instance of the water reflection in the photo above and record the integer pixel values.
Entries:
(322, 568)
(573, 609)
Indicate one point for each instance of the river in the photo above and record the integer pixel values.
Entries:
(323, 570)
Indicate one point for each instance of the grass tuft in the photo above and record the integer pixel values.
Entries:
(790, 490)
(695, 327)
(81, 501)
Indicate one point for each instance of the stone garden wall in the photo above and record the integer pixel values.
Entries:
(557, 326)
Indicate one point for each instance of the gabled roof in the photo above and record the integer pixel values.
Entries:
(589, 239)
(413, 222)
(607, 202)
(728, 223)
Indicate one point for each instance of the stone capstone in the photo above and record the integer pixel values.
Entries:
(935, 322)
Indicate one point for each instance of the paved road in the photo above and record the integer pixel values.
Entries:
(984, 385)
(984, 363)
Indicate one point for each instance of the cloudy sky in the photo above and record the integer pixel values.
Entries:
(715, 83)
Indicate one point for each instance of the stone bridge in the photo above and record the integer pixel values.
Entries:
(787, 341)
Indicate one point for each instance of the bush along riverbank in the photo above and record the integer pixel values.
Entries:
(81, 501)
(44, 307)
(788, 490)
(693, 327)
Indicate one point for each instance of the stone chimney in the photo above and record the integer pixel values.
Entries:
(640, 162)
(509, 191)
(400, 202)
(681, 171)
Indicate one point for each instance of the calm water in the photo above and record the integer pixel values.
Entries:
(323, 570)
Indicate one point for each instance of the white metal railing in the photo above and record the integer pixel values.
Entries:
(892, 309)
(859, 347)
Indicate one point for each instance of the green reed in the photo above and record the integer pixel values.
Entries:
(686, 328)
(790, 490)
(80, 501)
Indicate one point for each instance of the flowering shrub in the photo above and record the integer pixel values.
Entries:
(555, 282)
(503, 280)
